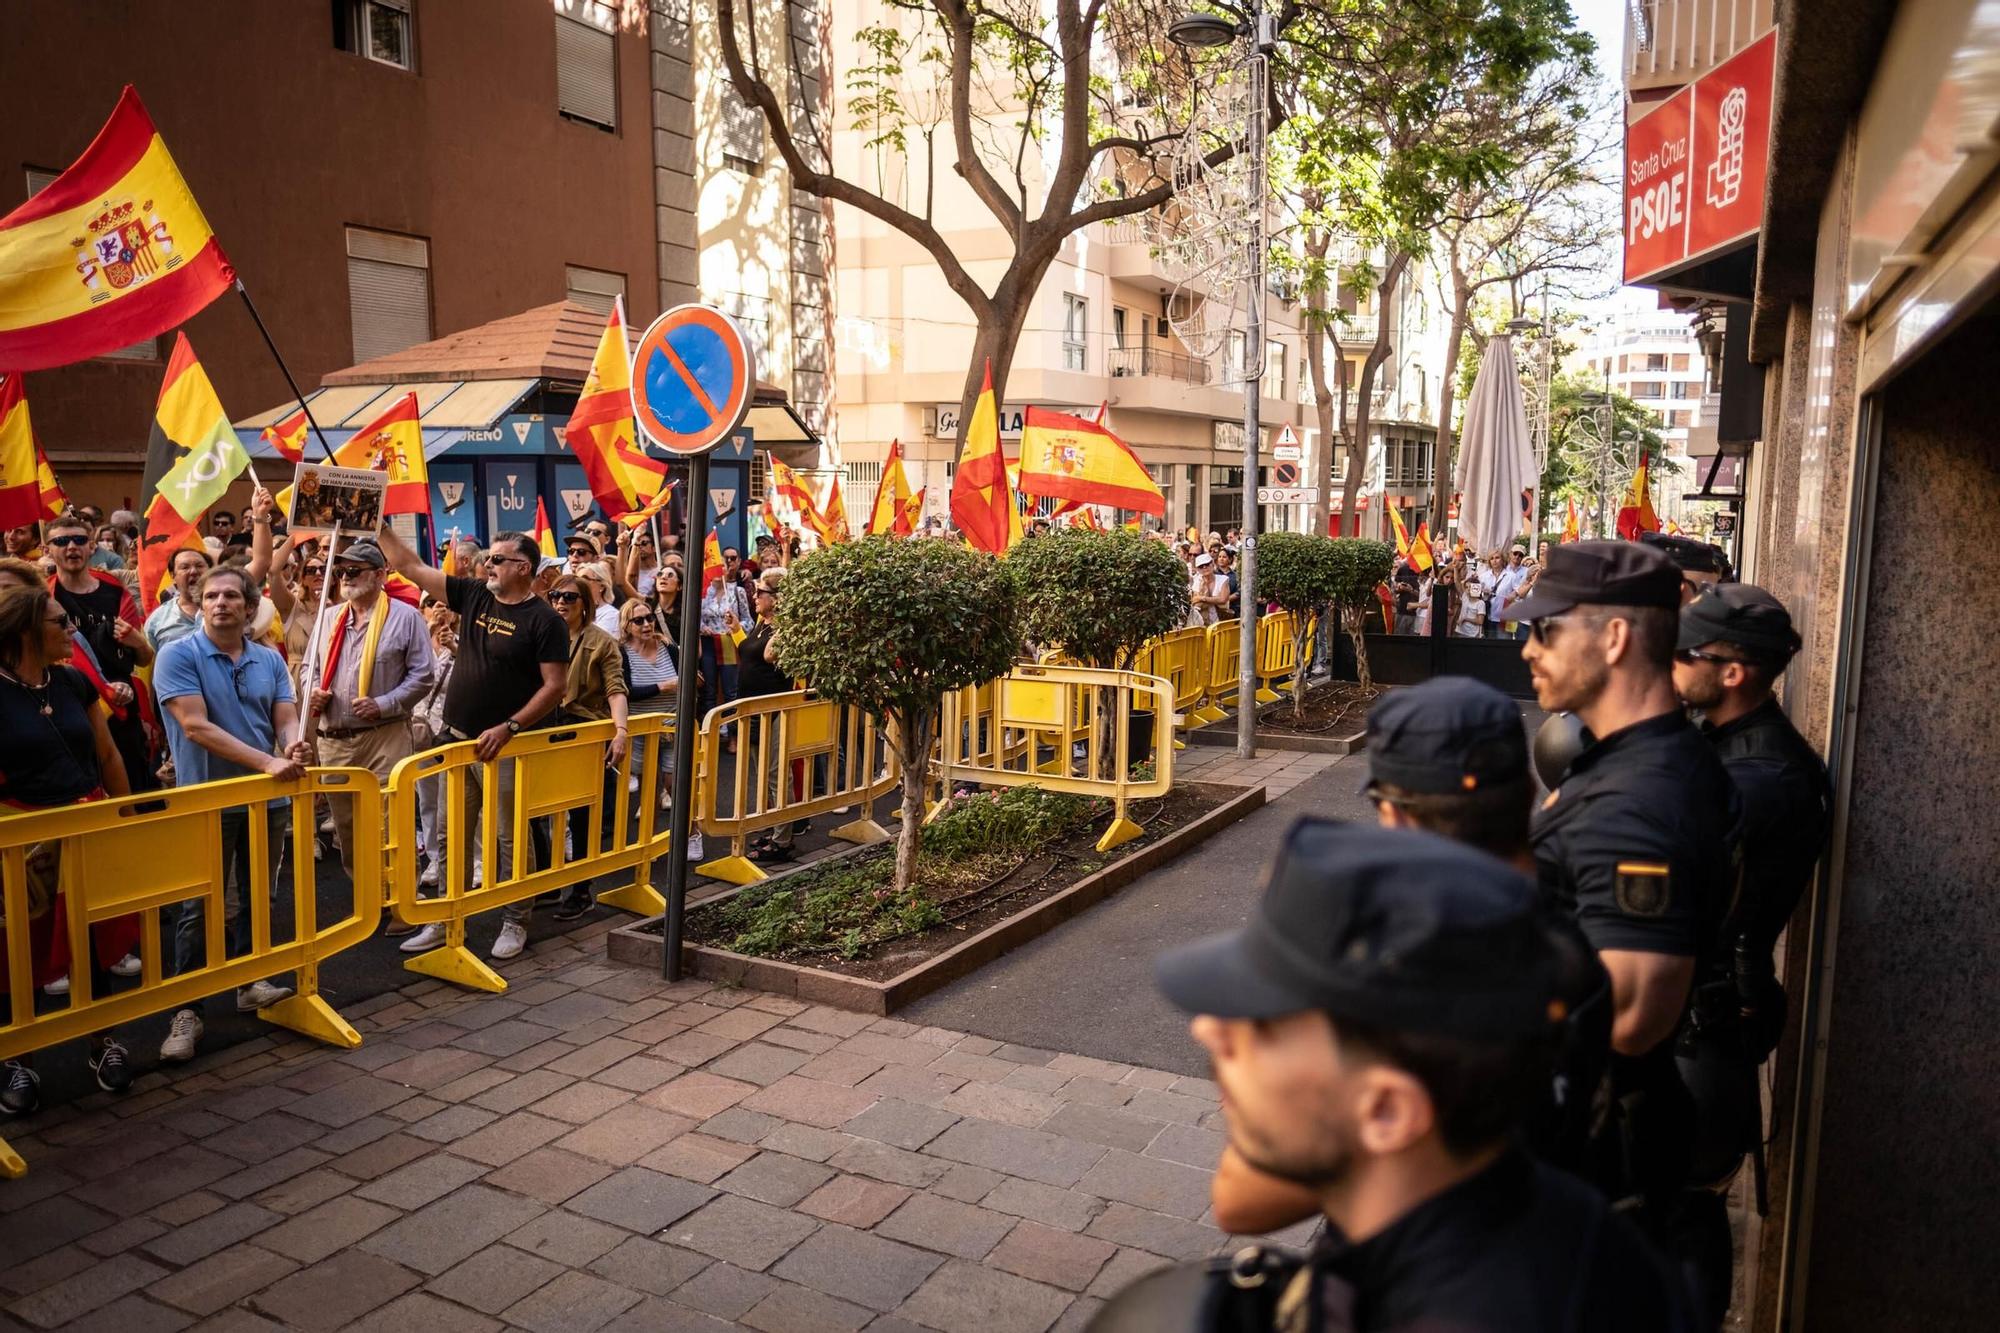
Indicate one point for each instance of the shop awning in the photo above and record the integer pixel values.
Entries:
(447, 410)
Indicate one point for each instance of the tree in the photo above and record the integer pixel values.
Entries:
(1360, 565)
(1553, 215)
(1302, 572)
(1058, 115)
(1381, 129)
(1594, 447)
(1101, 595)
(889, 626)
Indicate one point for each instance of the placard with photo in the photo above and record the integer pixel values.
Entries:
(323, 496)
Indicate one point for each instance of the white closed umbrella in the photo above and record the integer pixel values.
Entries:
(1496, 460)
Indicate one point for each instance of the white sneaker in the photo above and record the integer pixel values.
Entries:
(60, 986)
(128, 966)
(430, 937)
(513, 938)
(259, 995)
(182, 1037)
(632, 783)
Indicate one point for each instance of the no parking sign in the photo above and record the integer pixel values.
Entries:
(693, 375)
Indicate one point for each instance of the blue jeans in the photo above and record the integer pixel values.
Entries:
(190, 937)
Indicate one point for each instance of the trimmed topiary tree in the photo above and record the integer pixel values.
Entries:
(1100, 595)
(889, 626)
(1302, 573)
(1359, 565)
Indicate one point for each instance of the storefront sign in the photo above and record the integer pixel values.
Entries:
(1012, 417)
(1695, 166)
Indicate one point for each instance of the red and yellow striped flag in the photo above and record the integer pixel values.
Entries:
(114, 251)
(544, 533)
(786, 486)
(20, 458)
(288, 437)
(982, 497)
(393, 443)
(832, 527)
(623, 477)
(892, 497)
(712, 566)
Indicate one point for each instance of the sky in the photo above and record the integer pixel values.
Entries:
(1605, 21)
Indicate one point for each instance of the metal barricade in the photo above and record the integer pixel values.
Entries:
(1223, 648)
(1277, 655)
(145, 856)
(1034, 705)
(557, 774)
(1181, 659)
(797, 755)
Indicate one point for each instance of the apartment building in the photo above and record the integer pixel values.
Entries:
(1653, 358)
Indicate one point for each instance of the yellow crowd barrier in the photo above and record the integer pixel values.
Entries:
(797, 755)
(1083, 714)
(1222, 672)
(1277, 658)
(559, 775)
(1181, 659)
(143, 856)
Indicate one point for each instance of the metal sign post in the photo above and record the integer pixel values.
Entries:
(693, 374)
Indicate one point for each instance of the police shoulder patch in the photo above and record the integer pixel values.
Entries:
(1643, 888)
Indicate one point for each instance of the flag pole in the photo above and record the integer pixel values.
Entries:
(258, 319)
(309, 729)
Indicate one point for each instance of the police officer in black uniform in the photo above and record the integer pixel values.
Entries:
(1639, 842)
(1379, 1031)
(1734, 643)
(1703, 565)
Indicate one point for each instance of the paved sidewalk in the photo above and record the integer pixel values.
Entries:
(1276, 771)
(599, 1150)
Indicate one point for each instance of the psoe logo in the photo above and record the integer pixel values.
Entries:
(1725, 174)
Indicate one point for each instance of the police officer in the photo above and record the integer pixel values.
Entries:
(1734, 643)
(1639, 842)
(1378, 1031)
(1703, 565)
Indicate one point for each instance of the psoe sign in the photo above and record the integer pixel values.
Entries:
(1695, 166)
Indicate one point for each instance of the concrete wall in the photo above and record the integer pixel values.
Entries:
(1903, 1215)
(286, 140)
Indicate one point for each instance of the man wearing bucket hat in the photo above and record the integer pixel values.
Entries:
(1379, 1031)
(1639, 841)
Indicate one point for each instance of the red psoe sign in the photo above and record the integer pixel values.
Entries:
(1695, 166)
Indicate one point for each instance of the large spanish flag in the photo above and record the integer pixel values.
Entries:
(1635, 514)
(982, 498)
(891, 513)
(191, 459)
(115, 250)
(1073, 459)
(393, 443)
(600, 431)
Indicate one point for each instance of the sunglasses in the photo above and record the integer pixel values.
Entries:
(315, 569)
(1541, 631)
(68, 622)
(565, 596)
(636, 621)
(72, 539)
(1692, 655)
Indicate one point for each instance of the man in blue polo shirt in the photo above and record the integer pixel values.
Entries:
(230, 713)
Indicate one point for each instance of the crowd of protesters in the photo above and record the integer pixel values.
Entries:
(266, 653)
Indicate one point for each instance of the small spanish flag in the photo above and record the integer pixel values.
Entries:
(711, 561)
(544, 534)
(288, 437)
(20, 458)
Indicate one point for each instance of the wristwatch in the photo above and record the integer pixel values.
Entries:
(513, 727)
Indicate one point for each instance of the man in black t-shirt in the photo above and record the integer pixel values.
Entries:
(112, 624)
(513, 656)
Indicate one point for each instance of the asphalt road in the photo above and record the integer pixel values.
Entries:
(1087, 986)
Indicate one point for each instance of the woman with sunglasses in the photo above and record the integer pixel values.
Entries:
(595, 690)
(654, 677)
(56, 739)
(639, 566)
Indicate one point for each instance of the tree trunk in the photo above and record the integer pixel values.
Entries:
(995, 342)
(1357, 445)
(1461, 315)
(913, 743)
(1302, 626)
(1354, 619)
(1319, 328)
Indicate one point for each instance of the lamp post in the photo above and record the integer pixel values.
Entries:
(1200, 32)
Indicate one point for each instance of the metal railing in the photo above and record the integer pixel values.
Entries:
(1671, 42)
(1155, 361)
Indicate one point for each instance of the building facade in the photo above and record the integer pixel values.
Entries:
(379, 172)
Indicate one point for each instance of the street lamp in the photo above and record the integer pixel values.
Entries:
(1206, 32)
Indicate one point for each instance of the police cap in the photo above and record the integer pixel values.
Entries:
(1689, 554)
(1395, 928)
(1744, 616)
(1599, 573)
(1449, 734)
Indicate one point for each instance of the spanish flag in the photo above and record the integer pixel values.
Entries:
(1570, 530)
(833, 516)
(788, 487)
(711, 561)
(115, 250)
(1635, 514)
(20, 458)
(600, 431)
(288, 437)
(191, 460)
(982, 499)
(654, 507)
(892, 497)
(1421, 554)
(544, 534)
(393, 443)
(54, 498)
(1073, 459)
(1402, 533)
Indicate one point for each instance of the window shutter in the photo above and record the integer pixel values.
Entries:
(586, 73)
(742, 128)
(595, 288)
(388, 292)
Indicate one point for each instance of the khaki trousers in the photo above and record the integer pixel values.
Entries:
(378, 749)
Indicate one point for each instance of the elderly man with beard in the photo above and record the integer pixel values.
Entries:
(1379, 1032)
(371, 664)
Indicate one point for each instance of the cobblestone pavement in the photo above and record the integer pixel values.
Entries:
(1276, 771)
(597, 1149)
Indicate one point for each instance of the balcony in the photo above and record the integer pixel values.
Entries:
(1672, 42)
(1123, 361)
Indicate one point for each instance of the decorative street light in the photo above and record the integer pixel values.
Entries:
(1207, 32)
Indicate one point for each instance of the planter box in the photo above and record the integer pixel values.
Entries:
(639, 947)
(1223, 735)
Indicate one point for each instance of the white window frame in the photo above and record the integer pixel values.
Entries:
(379, 252)
(588, 96)
(1076, 332)
(361, 32)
